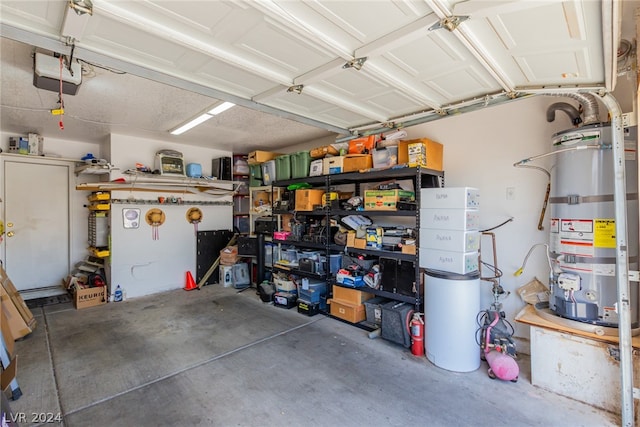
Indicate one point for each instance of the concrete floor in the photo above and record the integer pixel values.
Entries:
(218, 357)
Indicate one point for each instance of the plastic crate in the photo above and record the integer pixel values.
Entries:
(300, 163)
(283, 167)
(373, 310)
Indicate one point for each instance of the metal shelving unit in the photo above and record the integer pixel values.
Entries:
(420, 177)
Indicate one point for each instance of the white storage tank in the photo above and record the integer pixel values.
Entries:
(452, 304)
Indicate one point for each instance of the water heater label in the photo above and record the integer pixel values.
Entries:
(604, 233)
(576, 236)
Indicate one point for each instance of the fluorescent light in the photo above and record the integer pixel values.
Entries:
(193, 123)
(221, 108)
(202, 118)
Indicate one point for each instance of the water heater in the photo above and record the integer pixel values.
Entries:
(582, 225)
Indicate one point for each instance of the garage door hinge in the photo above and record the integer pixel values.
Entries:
(296, 89)
(636, 393)
(450, 23)
(634, 276)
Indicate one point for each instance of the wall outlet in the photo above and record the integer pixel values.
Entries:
(511, 193)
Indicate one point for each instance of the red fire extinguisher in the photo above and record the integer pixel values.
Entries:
(417, 335)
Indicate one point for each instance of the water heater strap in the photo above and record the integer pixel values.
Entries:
(571, 200)
(573, 259)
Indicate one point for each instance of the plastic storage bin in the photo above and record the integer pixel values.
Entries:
(255, 175)
(300, 163)
(269, 172)
(283, 167)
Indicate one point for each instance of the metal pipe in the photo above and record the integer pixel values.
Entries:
(622, 262)
(567, 108)
(589, 104)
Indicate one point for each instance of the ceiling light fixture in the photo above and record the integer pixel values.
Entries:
(76, 17)
(201, 118)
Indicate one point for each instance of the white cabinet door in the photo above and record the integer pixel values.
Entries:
(37, 224)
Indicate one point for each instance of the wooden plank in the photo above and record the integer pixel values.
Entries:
(529, 316)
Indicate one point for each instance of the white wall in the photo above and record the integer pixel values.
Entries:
(126, 151)
(123, 152)
(140, 264)
(480, 149)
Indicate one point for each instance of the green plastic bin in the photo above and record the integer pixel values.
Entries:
(255, 176)
(283, 167)
(300, 163)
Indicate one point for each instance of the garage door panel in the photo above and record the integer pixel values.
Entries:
(349, 24)
(394, 71)
(134, 44)
(316, 108)
(44, 15)
(441, 63)
(548, 44)
(232, 79)
(568, 65)
(460, 84)
(394, 103)
(272, 43)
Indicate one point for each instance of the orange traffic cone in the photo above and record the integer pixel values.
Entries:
(191, 284)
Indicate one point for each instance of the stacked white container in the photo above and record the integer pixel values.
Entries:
(449, 244)
(449, 223)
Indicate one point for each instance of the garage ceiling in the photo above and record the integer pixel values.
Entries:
(319, 67)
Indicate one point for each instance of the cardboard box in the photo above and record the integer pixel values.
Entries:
(89, 297)
(257, 157)
(36, 144)
(357, 162)
(306, 199)
(350, 313)
(17, 300)
(350, 296)
(17, 325)
(409, 249)
(332, 165)
(421, 152)
(351, 239)
(385, 200)
(8, 374)
(6, 333)
(316, 167)
(360, 243)
(229, 255)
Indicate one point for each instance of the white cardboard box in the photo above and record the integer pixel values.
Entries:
(331, 165)
(450, 261)
(450, 240)
(453, 197)
(450, 219)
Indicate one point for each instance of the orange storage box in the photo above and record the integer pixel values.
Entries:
(421, 152)
(350, 313)
(357, 162)
(350, 295)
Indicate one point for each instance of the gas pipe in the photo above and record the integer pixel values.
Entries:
(416, 327)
